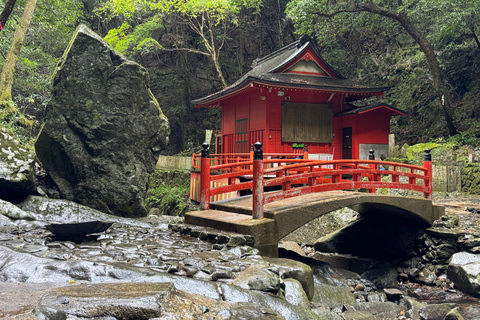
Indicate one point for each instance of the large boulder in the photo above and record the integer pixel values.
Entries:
(103, 129)
(17, 172)
(464, 271)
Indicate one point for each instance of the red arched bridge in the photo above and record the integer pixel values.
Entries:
(287, 193)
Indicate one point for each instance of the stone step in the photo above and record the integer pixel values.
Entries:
(264, 230)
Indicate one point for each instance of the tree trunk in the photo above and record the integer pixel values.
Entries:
(427, 48)
(6, 78)
(7, 10)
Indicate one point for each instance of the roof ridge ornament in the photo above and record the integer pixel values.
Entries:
(304, 39)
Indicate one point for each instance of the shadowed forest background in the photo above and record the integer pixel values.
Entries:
(194, 48)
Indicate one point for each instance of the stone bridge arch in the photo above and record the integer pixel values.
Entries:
(285, 216)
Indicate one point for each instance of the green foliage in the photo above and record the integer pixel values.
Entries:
(171, 201)
(22, 126)
(169, 191)
(420, 148)
(128, 40)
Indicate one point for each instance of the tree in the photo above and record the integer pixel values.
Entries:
(7, 10)
(6, 77)
(211, 20)
(461, 20)
(406, 14)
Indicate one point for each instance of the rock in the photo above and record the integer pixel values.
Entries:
(333, 296)
(466, 277)
(382, 277)
(436, 311)
(357, 315)
(13, 212)
(474, 242)
(445, 251)
(381, 310)
(235, 294)
(291, 269)
(413, 308)
(327, 315)
(376, 297)
(327, 274)
(461, 258)
(103, 129)
(393, 294)
(140, 301)
(448, 221)
(453, 315)
(294, 293)
(258, 277)
(65, 211)
(17, 171)
(359, 287)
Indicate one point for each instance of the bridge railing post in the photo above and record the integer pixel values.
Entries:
(205, 178)
(371, 156)
(427, 182)
(257, 197)
(305, 152)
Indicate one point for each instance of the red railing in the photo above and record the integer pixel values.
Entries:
(302, 176)
(227, 158)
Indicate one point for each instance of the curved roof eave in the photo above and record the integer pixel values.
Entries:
(235, 88)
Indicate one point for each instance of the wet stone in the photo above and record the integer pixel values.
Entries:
(222, 274)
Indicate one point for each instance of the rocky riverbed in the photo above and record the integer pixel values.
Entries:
(144, 269)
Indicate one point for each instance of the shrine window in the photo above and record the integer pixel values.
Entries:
(307, 122)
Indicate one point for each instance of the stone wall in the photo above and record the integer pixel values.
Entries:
(471, 178)
(446, 178)
(179, 163)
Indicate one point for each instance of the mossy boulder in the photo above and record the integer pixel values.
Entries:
(17, 171)
(103, 128)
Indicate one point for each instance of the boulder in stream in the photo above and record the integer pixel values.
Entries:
(103, 128)
(464, 271)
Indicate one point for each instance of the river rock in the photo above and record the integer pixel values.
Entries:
(385, 277)
(103, 128)
(464, 271)
(333, 296)
(436, 311)
(258, 277)
(453, 315)
(294, 293)
(141, 301)
(413, 308)
(17, 172)
(297, 270)
(448, 221)
(64, 211)
(13, 212)
(381, 310)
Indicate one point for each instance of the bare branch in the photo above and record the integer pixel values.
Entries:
(185, 49)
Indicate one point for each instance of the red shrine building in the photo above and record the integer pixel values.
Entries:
(293, 98)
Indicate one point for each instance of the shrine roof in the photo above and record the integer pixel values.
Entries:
(271, 69)
(359, 110)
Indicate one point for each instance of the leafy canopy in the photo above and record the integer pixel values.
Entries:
(218, 10)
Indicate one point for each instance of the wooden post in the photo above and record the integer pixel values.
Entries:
(257, 197)
(371, 156)
(305, 152)
(427, 164)
(205, 178)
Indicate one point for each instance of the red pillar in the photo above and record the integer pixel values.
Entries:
(257, 197)
(205, 178)
(427, 164)
(371, 156)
